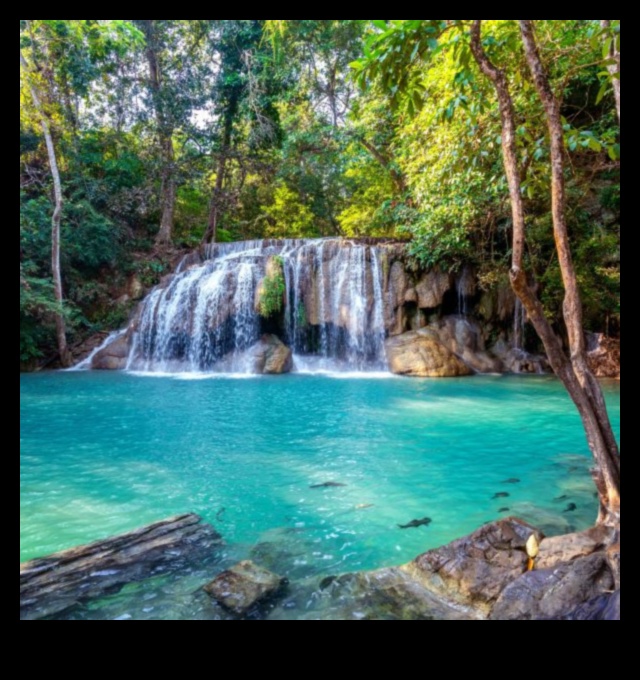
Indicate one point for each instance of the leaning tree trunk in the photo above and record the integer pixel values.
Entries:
(614, 67)
(573, 372)
(61, 335)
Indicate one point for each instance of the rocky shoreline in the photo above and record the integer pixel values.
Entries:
(505, 570)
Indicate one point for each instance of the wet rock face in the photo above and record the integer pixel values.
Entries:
(474, 570)
(420, 353)
(243, 586)
(114, 356)
(603, 355)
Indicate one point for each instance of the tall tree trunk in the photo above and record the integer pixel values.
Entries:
(61, 334)
(614, 68)
(215, 207)
(167, 191)
(165, 135)
(572, 371)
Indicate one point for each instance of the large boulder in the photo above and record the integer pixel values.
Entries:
(114, 356)
(243, 586)
(474, 570)
(463, 336)
(420, 353)
(271, 355)
(551, 593)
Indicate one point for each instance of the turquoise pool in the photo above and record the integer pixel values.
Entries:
(102, 453)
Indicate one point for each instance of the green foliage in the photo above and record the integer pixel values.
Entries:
(273, 288)
(288, 214)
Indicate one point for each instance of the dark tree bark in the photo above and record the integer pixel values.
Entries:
(572, 370)
(165, 134)
(61, 334)
(614, 68)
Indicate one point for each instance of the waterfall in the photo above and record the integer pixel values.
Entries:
(85, 364)
(206, 317)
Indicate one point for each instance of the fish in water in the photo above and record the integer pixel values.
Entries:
(416, 523)
(511, 480)
(364, 506)
(570, 507)
(504, 509)
(561, 498)
(219, 514)
(500, 494)
(326, 485)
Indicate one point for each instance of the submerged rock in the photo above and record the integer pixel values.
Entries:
(271, 355)
(243, 586)
(114, 356)
(420, 353)
(388, 594)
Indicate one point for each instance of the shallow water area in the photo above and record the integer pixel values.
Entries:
(105, 452)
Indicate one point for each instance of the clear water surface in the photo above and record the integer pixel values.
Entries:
(101, 453)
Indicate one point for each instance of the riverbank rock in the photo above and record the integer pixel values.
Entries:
(554, 592)
(114, 356)
(603, 355)
(420, 353)
(474, 570)
(243, 586)
(271, 355)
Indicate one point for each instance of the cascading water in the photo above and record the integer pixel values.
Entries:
(206, 317)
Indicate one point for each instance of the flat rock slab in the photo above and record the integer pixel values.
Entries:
(243, 586)
(52, 584)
